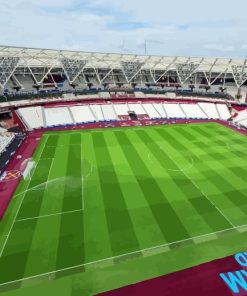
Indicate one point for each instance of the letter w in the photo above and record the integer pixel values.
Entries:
(234, 281)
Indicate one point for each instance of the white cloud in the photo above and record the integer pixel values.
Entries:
(101, 25)
(219, 47)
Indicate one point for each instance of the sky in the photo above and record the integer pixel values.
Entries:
(214, 28)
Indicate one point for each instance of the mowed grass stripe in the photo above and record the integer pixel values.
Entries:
(224, 161)
(70, 249)
(43, 248)
(213, 173)
(97, 241)
(16, 252)
(177, 196)
(167, 219)
(15, 255)
(227, 191)
(219, 148)
(210, 215)
(208, 211)
(146, 227)
(9, 216)
(63, 140)
(216, 192)
(121, 231)
(72, 199)
(237, 183)
(33, 197)
(54, 189)
(52, 140)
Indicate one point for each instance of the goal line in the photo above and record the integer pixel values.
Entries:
(142, 251)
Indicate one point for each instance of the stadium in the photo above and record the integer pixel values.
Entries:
(120, 174)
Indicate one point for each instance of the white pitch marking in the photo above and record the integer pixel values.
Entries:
(179, 170)
(193, 182)
(184, 169)
(49, 215)
(11, 227)
(49, 172)
(82, 181)
(219, 210)
(123, 255)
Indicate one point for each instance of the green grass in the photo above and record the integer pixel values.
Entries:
(106, 208)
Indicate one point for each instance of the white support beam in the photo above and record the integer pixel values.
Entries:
(239, 73)
(131, 69)
(167, 68)
(7, 68)
(186, 70)
(72, 68)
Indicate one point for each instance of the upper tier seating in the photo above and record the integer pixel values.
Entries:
(58, 116)
(105, 95)
(139, 94)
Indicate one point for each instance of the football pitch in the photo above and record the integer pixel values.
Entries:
(104, 203)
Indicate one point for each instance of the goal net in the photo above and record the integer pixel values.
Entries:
(27, 168)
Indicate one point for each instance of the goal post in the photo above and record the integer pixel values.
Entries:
(27, 168)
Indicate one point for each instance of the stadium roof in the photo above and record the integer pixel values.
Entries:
(38, 57)
(130, 64)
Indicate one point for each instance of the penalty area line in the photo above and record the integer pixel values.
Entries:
(122, 255)
(49, 215)
(17, 212)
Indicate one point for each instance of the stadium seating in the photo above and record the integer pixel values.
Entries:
(243, 123)
(82, 114)
(242, 115)
(193, 111)
(2, 130)
(224, 112)
(139, 94)
(151, 111)
(137, 108)
(36, 117)
(174, 111)
(58, 116)
(32, 117)
(210, 110)
(160, 109)
(109, 112)
(104, 95)
(98, 113)
(121, 109)
(5, 142)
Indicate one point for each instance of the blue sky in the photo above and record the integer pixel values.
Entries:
(191, 28)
